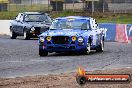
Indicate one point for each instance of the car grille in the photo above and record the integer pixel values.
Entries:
(37, 30)
(51, 47)
(60, 39)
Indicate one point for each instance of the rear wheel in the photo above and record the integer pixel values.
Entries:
(26, 35)
(42, 53)
(12, 34)
(101, 47)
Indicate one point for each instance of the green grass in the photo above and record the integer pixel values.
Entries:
(62, 14)
(8, 15)
(100, 17)
(119, 18)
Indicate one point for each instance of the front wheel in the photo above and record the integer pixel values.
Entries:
(101, 47)
(12, 34)
(42, 53)
(26, 35)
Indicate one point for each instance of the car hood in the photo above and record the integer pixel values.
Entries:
(38, 24)
(67, 32)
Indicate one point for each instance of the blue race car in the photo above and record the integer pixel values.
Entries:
(73, 33)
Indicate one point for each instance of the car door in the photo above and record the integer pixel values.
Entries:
(95, 37)
(98, 34)
(94, 32)
(20, 24)
(15, 23)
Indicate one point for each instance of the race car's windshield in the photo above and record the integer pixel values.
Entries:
(37, 18)
(70, 24)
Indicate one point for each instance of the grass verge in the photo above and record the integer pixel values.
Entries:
(100, 17)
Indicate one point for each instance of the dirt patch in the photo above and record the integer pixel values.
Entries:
(66, 80)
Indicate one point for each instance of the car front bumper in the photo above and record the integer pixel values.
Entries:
(62, 47)
(37, 31)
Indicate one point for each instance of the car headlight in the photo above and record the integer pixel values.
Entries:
(32, 29)
(74, 38)
(48, 38)
(41, 39)
(80, 39)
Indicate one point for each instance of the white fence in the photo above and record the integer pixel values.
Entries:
(4, 27)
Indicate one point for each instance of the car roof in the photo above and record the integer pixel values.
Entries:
(74, 17)
(33, 12)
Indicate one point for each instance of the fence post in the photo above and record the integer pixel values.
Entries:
(73, 5)
(48, 5)
(56, 5)
(84, 4)
(65, 4)
(103, 6)
(92, 7)
(31, 4)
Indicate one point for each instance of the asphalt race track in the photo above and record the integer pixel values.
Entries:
(20, 57)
